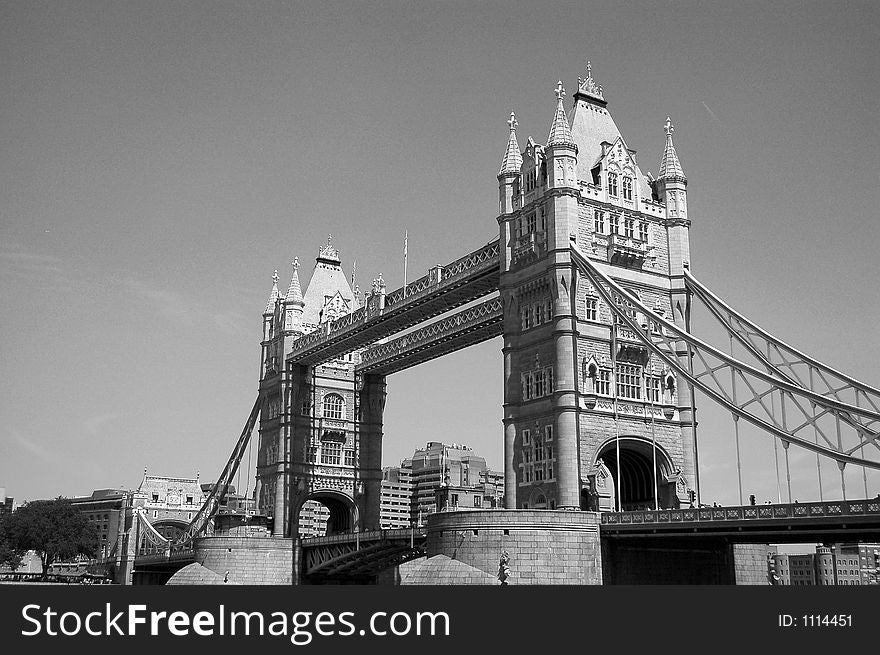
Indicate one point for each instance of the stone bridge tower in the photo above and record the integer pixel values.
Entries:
(320, 438)
(585, 404)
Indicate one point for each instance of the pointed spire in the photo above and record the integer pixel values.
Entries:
(560, 130)
(294, 291)
(670, 167)
(512, 161)
(588, 86)
(273, 295)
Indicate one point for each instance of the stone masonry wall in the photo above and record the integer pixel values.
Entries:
(249, 560)
(545, 547)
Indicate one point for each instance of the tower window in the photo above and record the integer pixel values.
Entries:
(629, 381)
(652, 388)
(599, 221)
(603, 382)
(628, 228)
(643, 231)
(615, 224)
(540, 389)
(591, 311)
(331, 453)
(612, 184)
(627, 188)
(334, 406)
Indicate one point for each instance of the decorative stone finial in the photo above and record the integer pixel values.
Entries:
(328, 252)
(560, 91)
(560, 130)
(512, 160)
(275, 277)
(295, 263)
(670, 166)
(588, 86)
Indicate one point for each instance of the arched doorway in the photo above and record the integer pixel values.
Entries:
(326, 512)
(637, 473)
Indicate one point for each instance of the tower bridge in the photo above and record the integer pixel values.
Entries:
(589, 284)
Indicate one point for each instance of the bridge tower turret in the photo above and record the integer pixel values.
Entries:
(540, 394)
(293, 303)
(670, 188)
(268, 320)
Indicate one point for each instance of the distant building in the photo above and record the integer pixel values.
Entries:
(313, 517)
(105, 509)
(6, 502)
(840, 564)
(439, 464)
(395, 509)
(437, 477)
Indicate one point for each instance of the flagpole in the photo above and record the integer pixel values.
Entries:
(405, 238)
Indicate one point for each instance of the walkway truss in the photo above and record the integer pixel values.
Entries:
(789, 395)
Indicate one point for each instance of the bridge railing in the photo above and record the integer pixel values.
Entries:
(372, 535)
(824, 509)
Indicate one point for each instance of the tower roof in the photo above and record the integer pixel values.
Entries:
(512, 161)
(294, 291)
(560, 130)
(273, 295)
(591, 126)
(328, 281)
(670, 167)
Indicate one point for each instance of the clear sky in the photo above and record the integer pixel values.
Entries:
(160, 159)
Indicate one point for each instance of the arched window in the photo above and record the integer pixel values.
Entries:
(334, 406)
(612, 184)
(627, 188)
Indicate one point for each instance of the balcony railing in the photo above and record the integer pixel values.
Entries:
(627, 251)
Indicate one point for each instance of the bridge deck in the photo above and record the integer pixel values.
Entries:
(838, 520)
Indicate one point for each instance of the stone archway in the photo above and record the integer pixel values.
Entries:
(338, 512)
(171, 529)
(637, 473)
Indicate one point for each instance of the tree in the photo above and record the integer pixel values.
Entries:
(53, 528)
(9, 556)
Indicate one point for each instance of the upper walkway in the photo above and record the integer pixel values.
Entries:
(442, 289)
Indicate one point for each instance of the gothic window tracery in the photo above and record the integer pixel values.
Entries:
(333, 407)
(612, 184)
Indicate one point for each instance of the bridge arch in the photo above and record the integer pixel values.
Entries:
(343, 511)
(171, 529)
(636, 475)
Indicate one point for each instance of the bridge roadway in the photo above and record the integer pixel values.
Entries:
(357, 557)
(829, 521)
